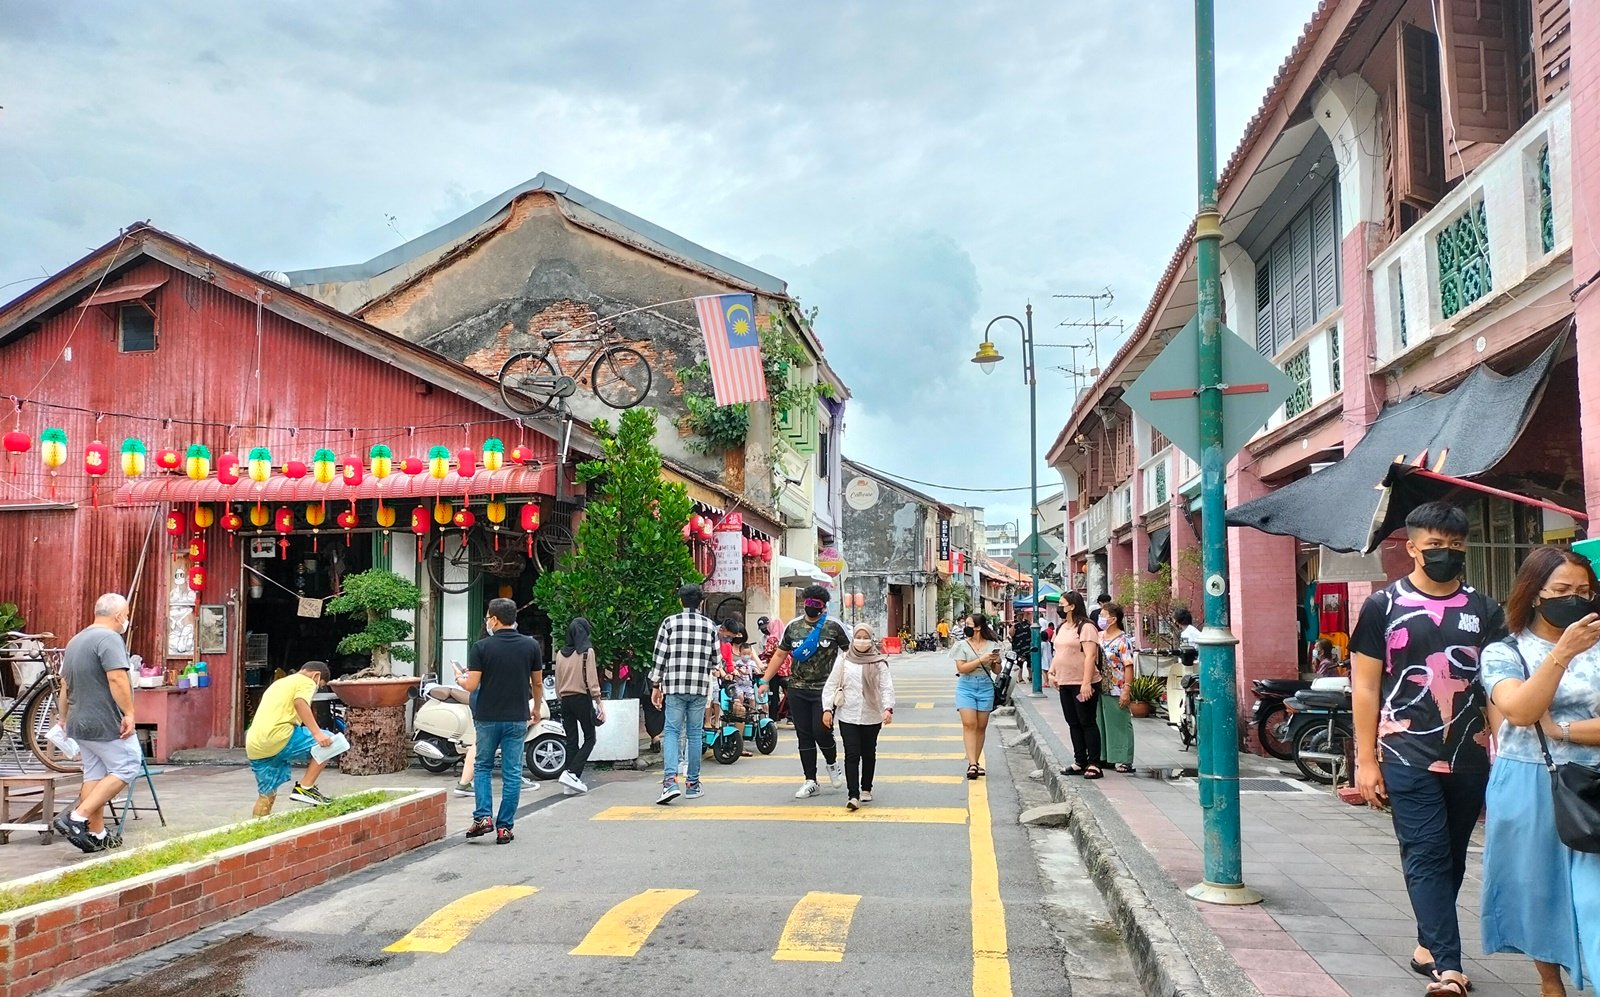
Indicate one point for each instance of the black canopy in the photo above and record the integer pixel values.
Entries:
(1160, 550)
(1471, 427)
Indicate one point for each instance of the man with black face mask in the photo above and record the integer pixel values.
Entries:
(810, 643)
(1419, 719)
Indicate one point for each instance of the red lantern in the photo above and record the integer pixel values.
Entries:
(17, 442)
(413, 465)
(228, 469)
(96, 462)
(688, 528)
(347, 521)
(197, 578)
(466, 463)
(706, 528)
(295, 469)
(168, 460)
(530, 523)
(177, 523)
(232, 522)
(197, 549)
(519, 454)
(354, 472)
(766, 551)
(283, 522)
(464, 519)
(419, 526)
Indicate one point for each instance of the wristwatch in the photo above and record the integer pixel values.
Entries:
(1565, 728)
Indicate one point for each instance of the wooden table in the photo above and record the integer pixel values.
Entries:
(22, 810)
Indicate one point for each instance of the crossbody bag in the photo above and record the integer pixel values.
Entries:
(1574, 788)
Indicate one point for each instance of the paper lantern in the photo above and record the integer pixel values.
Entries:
(438, 462)
(177, 524)
(133, 457)
(323, 466)
(412, 465)
(419, 526)
(53, 447)
(382, 461)
(17, 443)
(385, 516)
(706, 528)
(259, 464)
(688, 528)
(494, 454)
(347, 520)
(197, 462)
(521, 454)
(283, 520)
(530, 523)
(745, 546)
(232, 522)
(766, 551)
(860, 599)
(197, 549)
(443, 513)
(259, 516)
(316, 515)
(168, 460)
(228, 469)
(353, 471)
(464, 519)
(203, 517)
(96, 459)
(495, 512)
(197, 578)
(466, 462)
(294, 469)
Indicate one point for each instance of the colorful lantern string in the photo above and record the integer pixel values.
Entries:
(324, 466)
(228, 469)
(168, 459)
(259, 464)
(294, 470)
(438, 462)
(197, 462)
(494, 454)
(382, 461)
(133, 457)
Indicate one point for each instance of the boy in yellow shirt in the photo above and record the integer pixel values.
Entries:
(281, 735)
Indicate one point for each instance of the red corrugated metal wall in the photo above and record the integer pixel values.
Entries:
(54, 563)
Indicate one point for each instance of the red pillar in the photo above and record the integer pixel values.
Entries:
(1585, 252)
(1264, 597)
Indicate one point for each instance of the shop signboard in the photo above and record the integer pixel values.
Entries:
(728, 573)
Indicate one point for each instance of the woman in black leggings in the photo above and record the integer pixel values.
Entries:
(578, 686)
(1075, 672)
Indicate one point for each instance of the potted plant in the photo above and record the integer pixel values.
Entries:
(376, 698)
(1144, 692)
(371, 597)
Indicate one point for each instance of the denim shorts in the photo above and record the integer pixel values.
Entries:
(275, 771)
(121, 759)
(975, 692)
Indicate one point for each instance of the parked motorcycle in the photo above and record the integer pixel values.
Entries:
(1188, 730)
(1322, 729)
(442, 729)
(1271, 717)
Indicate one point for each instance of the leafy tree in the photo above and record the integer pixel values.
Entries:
(629, 556)
(371, 596)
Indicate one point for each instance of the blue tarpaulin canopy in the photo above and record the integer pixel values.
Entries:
(1047, 592)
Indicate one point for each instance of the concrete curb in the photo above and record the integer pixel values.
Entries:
(1174, 950)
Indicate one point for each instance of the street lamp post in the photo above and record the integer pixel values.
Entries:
(986, 357)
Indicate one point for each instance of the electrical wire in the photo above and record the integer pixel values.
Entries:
(931, 484)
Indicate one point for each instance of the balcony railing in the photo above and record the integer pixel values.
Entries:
(1496, 234)
(1315, 365)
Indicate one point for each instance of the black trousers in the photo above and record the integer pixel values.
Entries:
(577, 713)
(805, 709)
(777, 700)
(860, 756)
(1084, 722)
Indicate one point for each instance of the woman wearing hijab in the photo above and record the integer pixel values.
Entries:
(578, 685)
(860, 695)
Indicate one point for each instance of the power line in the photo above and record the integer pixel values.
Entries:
(931, 484)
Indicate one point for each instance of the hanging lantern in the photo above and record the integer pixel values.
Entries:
(203, 517)
(464, 519)
(438, 462)
(259, 516)
(197, 578)
(530, 523)
(316, 515)
(353, 471)
(382, 461)
(745, 546)
(323, 466)
(177, 525)
(443, 513)
(419, 526)
(197, 462)
(96, 462)
(706, 528)
(133, 457)
(347, 521)
(17, 443)
(687, 529)
(520, 454)
(232, 523)
(168, 460)
(495, 512)
(766, 551)
(466, 462)
(294, 469)
(413, 466)
(259, 464)
(494, 454)
(386, 516)
(53, 452)
(283, 522)
(197, 549)
(228, 469)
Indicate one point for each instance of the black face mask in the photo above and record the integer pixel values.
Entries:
(1443, 564)
(1566, 610)
(968, 631)
(812, 612)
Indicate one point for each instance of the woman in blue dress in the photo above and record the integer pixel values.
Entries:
(1540, 897)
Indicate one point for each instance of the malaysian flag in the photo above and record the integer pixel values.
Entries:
(729, 324)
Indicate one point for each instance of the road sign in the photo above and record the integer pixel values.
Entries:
(1166, 395)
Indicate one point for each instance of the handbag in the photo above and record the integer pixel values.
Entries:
(1574, 789)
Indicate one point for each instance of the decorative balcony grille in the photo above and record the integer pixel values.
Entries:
(1464, 274)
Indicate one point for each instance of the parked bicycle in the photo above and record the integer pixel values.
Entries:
(617, 374)
(26, 720)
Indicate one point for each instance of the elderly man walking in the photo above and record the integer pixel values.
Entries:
(97, 712)
(687, 652)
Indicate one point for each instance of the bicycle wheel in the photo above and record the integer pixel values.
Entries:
(37, 718)
(528, 382)
(453, 567)
(621, 377)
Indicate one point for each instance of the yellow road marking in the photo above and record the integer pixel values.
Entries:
(817, 928)
(788, 780)
(919, 737)
(829, 815)
(991, 966)
(442, 930)
(922, 706)
(625, 928)
(894, 756)
(901, 726)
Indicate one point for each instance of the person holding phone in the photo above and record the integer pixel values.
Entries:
(978, 657)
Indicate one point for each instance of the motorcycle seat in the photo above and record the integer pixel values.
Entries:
(1280, 686)
(1320, 699)
(1190, 682)
(1331, 683)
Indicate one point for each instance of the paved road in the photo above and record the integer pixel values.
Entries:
(931, 889)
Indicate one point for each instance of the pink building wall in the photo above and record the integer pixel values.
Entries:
(1585, 247)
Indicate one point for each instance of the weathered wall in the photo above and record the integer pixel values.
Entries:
(886, 544)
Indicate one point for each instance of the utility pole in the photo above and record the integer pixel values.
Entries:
(1094, 324)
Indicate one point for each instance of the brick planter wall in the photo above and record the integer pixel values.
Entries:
(51, 942)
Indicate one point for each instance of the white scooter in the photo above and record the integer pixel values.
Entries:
(442, 730)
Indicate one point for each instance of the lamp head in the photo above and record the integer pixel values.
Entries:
(987, 356)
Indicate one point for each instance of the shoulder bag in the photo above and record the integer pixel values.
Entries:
(1574, 788)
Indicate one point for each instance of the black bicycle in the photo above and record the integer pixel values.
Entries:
(618, 374)
(28, 717)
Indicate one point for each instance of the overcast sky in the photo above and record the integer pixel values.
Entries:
(911, 168)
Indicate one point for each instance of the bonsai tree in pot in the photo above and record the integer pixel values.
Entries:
(371, 597)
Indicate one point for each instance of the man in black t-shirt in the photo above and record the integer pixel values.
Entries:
(1421, 736)
(506, 670)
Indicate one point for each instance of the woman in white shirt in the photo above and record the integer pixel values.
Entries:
(859, 694)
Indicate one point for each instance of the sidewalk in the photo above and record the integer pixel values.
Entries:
(1335, 919)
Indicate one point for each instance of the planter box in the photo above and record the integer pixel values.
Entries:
(618, 739)
(51, 942)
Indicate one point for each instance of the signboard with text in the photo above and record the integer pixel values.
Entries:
(728, 574)
(944, 539)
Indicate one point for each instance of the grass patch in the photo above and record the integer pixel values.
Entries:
(152, 858)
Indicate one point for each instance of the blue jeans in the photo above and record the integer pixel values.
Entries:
(508, 737)
(686, 716)
(1434, 816)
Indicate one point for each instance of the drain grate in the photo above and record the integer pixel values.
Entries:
(1272, 786)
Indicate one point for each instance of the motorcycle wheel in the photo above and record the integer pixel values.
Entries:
(767, 738)
(445, 764)
(1315, 739)
(1186, 731)
(1273, 731)
(546, 755)
(729, 746)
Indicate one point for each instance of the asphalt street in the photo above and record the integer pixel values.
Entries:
(933, 888)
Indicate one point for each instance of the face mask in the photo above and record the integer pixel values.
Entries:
(1442, 564)
(126, 623)
(488, 628)
(862, 644)
(812, 612)
(1566, 610)
(968, 631)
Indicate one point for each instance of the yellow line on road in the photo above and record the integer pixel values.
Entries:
(919, 737)
(817, 928)
(922, 706)
(799, 813)
(894, 756)
(626, 927)
(901, 726)
(991, 966)
(442, 930)
(788, 780)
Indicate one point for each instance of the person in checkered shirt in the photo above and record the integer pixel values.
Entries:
(687, 652)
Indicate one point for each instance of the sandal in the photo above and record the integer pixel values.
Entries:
(1124, 768)
(981, 772)
(1093, 772)
(1423, 969)
(972, 771)
(1072, 770)
(1451, 988)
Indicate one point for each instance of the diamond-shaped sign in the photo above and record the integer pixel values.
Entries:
(1167, 396)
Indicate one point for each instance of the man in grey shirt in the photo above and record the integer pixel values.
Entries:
(97, 712)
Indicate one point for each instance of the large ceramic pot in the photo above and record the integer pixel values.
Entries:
(1140, 709)
(372, 694)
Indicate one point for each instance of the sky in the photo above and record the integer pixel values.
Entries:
(911, 168)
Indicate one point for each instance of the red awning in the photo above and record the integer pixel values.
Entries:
(396, 488)
(122, 292)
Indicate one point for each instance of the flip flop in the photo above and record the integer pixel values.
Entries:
(1424, 969)
(1124, 768)
(1450, 988)
(972, 771)
(1093, 772)
(1072, 770)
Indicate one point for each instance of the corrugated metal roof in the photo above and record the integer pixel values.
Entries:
(122, 292)
(396, 488)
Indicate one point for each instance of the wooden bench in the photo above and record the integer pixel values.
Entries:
(28, 803)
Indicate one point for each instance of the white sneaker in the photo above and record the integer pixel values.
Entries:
(569, 791)
(573, 783)
(530, 785)
(866, 796)
(464, 789)
(836, 774)
(808, 790)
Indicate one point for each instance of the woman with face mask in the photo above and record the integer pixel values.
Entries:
(1075, 672)
(978, 657)
(859, 694)
(1537, 892)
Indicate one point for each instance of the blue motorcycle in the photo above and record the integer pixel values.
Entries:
(755, 727)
